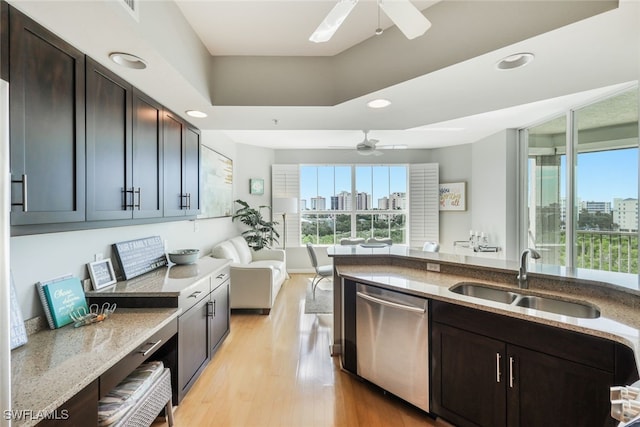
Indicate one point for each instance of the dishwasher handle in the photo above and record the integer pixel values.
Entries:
(391, 304)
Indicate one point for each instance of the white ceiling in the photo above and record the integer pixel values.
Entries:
(574, 64)
(279, 28)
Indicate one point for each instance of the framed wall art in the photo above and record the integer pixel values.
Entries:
(216, 183)
(453, 197)
(256, 186)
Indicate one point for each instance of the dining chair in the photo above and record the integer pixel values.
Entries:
(351, 241)
(431, 247)
(322, 271)
(386, 241)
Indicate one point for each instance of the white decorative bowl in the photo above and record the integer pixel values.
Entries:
(184, 256)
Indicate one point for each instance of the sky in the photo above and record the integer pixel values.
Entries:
(605, 175)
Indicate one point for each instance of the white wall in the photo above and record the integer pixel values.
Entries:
(455, 166)
(493, 195)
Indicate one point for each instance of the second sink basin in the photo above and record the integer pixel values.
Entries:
(472, 289)
(548, 304)
(566, 308)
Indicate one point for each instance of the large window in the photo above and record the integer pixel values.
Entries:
(340, 201)
(583, 186)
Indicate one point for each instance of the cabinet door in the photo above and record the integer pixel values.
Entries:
(47, 125)
(191, 170)
(220, 315)
(193, 334)
(173, 135)
(109, 188)
(147, 157)
(544, 390)
(468, 385)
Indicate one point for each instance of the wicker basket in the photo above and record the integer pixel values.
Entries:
(146, 409)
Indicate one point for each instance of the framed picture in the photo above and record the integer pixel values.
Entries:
(102, 274)
(256, 186)
(216, 184)
(452, 196)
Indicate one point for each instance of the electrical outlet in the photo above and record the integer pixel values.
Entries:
(196, 226)
(433, 267)
(97, 257)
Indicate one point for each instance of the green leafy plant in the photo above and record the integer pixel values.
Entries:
(261, 233)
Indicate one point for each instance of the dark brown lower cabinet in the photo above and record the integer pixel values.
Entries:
(492, 370)
(193, 339)
(79, 411)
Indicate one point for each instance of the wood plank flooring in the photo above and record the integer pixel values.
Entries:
(276, 370)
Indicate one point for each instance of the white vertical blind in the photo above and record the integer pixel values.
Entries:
(424, 204)
(285, 182)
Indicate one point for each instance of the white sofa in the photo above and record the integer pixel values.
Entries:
(256, 276)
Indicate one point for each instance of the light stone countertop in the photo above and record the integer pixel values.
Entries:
(54, 365)
(619, 320)
(165, 281)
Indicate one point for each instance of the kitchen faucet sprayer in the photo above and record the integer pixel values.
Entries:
(522, 274)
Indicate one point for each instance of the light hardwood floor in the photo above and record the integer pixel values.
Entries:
(276, 370)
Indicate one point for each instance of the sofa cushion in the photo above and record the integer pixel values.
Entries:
(276, 265)
(244, 252)
(226, 250)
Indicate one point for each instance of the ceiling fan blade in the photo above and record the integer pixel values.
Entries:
(406, 16)
(332, 21)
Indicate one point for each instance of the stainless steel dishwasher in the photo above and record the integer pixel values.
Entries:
(392, 342)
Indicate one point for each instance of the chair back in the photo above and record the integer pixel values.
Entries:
(386, 241)
(431, 247)
(312, 256)
(352, 241)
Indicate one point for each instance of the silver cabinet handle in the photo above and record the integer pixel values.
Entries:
(498, 373)
(195, 294)
(511, 372)
(391, 304)
(153, 345)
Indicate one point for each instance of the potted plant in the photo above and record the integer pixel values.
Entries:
(261, 233)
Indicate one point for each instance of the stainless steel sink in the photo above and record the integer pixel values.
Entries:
(476, 290)
(566, 308)
(548, 304)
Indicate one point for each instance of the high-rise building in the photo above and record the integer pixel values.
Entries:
(303, 204)
(341, 202)
(625, 214)
(398, 201)
(383, 203)
(318, 203)
(596, 207)
(363, 201)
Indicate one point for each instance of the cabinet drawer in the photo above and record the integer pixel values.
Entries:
(570, 345)
(190, 297)
(124, 367)
(219, 278)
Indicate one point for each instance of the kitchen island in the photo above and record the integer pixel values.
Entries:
(496, 362)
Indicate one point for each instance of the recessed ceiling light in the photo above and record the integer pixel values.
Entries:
(379, 103)
(197, 114)
(516, 60)
(127, 60)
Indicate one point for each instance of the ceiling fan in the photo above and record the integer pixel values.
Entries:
(368, 146)
(404, 15)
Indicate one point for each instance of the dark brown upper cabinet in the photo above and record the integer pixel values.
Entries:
(124, 149)
(47, 125)
(181, 167)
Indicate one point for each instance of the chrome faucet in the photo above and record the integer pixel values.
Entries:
(522, 274)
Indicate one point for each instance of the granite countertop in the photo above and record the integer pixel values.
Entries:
(165, 281)
(54, 365)
(628, 282)
(619, 318)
